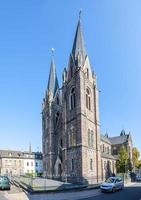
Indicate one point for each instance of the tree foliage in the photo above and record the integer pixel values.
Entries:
(123, 163)
(136, 156)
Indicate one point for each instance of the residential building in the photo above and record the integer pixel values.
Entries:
(20, 163)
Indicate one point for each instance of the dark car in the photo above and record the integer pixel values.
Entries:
(4, 183)
(138, 178)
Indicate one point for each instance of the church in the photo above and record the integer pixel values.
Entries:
(73, 148)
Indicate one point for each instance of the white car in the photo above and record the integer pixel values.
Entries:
(112, 184)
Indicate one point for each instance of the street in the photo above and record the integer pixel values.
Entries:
(131, 192)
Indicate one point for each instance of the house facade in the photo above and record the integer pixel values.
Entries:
(20, 163)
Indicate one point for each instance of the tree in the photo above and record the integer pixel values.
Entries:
(123, 163)
(136, 156)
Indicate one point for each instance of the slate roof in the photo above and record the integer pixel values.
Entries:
(119, 139)
(105, 139)
(19, 154)
(108, 156)
(11, 154)
(79, 45)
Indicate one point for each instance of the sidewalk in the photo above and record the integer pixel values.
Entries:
(16, 196)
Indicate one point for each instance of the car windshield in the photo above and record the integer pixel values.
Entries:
(110, 180)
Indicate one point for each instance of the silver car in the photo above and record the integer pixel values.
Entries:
(112, 184)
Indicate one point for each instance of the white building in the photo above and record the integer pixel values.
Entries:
(20, 163)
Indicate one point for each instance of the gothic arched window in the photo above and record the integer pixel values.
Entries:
(88, 99)
(91, 164)
(72, 165)
(57, 117)
(90, 138)
(57, 100)
(72, 99)
(72, 137)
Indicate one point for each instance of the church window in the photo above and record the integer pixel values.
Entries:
(71, 72)
(72, 165)
(88, 99)
(90, 138)
(57, 101)
(72, 138)
(61, 143)
(103, 148)
(57, 117)
(46, 122)
(72, 99)
(87, 73)
(91, 164)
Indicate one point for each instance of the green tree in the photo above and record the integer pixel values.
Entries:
(136, 156)
(123, 163)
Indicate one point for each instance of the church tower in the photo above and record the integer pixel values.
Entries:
(51, 109)
(81, 126)
(70, 120)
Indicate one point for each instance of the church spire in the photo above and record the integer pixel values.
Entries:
(53, 81)
(78, 44)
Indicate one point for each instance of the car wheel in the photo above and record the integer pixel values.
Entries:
(114, 189)
(122, 187)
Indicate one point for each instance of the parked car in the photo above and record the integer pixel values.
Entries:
(138, 178)
(112, 184)
(4, 183)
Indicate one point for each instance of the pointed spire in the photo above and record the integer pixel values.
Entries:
(79, 45)
(53, 81)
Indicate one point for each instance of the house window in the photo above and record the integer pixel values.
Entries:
(88, 99)
(72, 99)
(36, 164)
(91, 164)
(27, 163)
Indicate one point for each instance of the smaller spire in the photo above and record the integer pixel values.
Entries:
(53, 81)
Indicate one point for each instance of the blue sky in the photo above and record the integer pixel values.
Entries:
(28, 31)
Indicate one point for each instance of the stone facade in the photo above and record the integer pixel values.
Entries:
(70, 120)
(71, 139)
